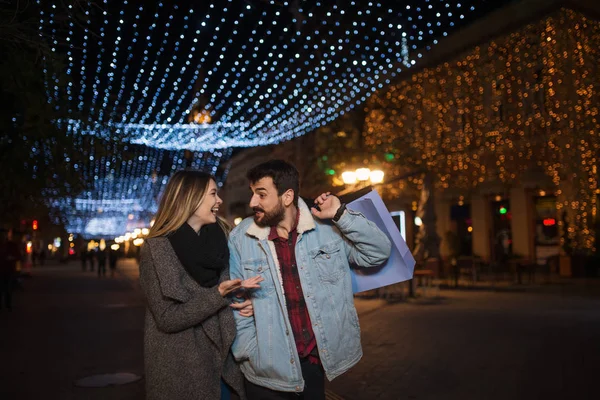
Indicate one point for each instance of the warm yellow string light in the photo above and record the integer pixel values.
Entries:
(529, 99)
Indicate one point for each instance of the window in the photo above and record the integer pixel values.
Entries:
(399, 218)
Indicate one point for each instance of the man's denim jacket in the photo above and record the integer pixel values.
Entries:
(265, 343)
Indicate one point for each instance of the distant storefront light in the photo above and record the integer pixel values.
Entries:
(549, 222)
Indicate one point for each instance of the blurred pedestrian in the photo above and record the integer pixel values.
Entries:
(91, 256)
(113, 257)
(34, 256)
(184, 275)
(42, 256)
(101, 263)
(83, 258)
(9, 256)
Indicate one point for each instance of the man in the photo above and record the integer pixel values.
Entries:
(305, 326)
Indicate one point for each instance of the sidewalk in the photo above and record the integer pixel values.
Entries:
(67, 325)
(588, 287)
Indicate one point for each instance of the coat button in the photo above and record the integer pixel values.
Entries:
(328, 256)
(287, 332)
(297, 388)
(291, 360)
(259, 269)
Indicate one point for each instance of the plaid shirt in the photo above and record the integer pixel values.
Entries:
(306, 343)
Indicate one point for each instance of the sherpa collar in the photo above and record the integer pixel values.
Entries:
(305, 223)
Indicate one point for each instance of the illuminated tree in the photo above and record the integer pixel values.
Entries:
(34, 151)
(520, 103)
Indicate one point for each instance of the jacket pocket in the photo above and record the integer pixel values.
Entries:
(329, 261)
(260, 267)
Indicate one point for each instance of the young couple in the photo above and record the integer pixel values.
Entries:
(265, 311)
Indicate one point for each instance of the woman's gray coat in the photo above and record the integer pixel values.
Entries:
(188, 333)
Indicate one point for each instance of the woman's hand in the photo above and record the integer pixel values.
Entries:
(229, 286)
(232, 285)
(245, 308)
(252, 283)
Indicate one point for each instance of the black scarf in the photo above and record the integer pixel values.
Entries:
(203, 254)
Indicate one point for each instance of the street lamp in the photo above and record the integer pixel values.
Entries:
(376, 176)
(349, 177)
(362, 175)
(360, 178)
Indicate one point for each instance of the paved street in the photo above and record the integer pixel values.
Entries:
(479, 346)
(67, 325)
(469, 345)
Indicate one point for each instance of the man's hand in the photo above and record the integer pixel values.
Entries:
(328, 204)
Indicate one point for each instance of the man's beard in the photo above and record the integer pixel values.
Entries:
(271, 218)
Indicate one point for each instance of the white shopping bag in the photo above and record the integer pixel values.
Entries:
(399, 267)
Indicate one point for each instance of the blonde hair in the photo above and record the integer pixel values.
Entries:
(183, 194)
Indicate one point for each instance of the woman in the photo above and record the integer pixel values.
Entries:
(185, 276)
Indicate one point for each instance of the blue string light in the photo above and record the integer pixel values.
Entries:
(256, 72)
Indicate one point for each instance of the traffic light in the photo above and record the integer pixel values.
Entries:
(35, 225)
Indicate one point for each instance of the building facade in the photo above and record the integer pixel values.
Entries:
(509, 128)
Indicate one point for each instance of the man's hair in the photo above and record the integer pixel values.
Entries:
(284, 175)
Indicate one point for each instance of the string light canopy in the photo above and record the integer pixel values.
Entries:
(172, 77)
(262, 71)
